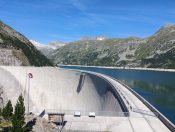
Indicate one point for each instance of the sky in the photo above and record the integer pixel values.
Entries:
(69, 20)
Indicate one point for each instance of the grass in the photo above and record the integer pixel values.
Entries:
(5, 124)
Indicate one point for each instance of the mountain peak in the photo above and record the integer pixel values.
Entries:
(169, 25)
(55, 45)
(165, 30)
(51, 45)
(36, 43)
(47, 48)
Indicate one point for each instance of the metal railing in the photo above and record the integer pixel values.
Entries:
(86, 113)
(145, 112)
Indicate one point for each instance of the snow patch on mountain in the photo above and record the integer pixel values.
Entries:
(46, 49)
(56, 45)
(51, 45)
(38, 45)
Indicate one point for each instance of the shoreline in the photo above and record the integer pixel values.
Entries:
(127, 68)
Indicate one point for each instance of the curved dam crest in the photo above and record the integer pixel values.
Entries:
(53, 88)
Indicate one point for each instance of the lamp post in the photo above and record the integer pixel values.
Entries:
(30, 75)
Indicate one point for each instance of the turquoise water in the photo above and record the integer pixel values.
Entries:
(156, 87)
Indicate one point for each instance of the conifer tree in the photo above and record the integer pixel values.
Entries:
(7, 111)
(18, 119)
(0, 111)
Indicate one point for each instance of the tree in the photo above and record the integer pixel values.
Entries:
(7, 111)
(18, 119)
(0, 112)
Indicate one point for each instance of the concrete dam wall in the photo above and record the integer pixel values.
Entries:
(53, 88)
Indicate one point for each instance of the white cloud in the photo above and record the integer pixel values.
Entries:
(65, 38)
(78, 4)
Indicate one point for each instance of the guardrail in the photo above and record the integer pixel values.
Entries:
(86, 113)
(125, 98)
(145, 112)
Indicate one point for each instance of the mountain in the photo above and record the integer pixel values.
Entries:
(107, 52)
(56, 45)
(160, 49)
(16, 49)
(47, 49)
(155, 51)
(160, 42)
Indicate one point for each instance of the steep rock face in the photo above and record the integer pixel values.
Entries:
(16, 49)
(133, 52)
(13, 57)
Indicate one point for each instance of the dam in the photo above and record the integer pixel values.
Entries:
(102, 103)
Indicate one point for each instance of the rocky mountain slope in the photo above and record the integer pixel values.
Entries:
(154, 51)
(159, 51)
(16, 49)
(96, 52)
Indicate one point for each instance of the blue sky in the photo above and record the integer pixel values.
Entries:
(69, 20)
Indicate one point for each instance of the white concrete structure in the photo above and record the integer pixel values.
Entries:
(51, 88)
(70, 91)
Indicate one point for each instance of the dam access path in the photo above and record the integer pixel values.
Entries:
(88, 101)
